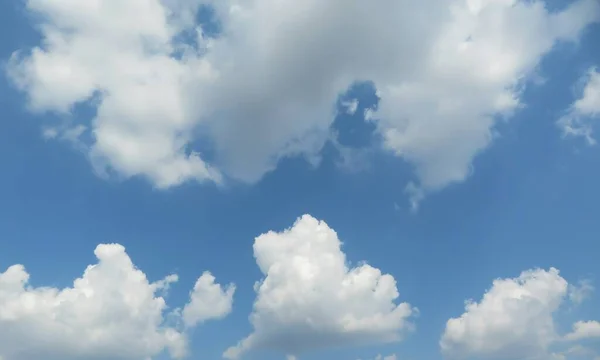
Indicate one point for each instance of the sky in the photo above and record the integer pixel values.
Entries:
(315, 180)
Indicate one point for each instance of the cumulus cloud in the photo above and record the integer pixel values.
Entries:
(208, 300)
(111, 312)
(515, 320)
(578, 120)
(93, 53)
(310, 298)
(264, 88)
(584, 330)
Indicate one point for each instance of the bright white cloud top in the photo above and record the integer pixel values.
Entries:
(310, 298)
(208, 300)
(265, 87)
(515, 320)
(111, 312)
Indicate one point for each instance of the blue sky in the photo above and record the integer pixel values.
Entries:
(528, 199)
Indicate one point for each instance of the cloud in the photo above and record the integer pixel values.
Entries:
(93, 53)
(208, 300)
(472, 70)
(388, 357)
(584, 330)
(579, 293)
(111, 312)
(310, 298)
(513, 320)
(351, 106)
(578, 120)
(265, 87)
(578, 352)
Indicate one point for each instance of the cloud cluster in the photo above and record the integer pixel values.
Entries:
(264, 88)
(111, 312)
(311, 298)
(161, 90)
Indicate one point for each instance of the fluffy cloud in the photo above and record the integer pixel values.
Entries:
(111, 312)
(264, 88)
(93, 52)
(208, 300)
(584, 330)
(577, 122)
(515, 320)
(440, 112)
(310, 298)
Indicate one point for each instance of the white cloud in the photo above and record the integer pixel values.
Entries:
(442, 116)
(111, 312)
(584, 330)
(513, 320)
(351, 106)
(310, 298)
(578, 121)
(579, 293)
(92, 51)
(265, 88)
(208, 300)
